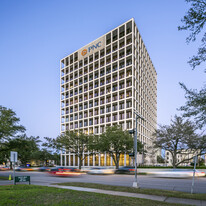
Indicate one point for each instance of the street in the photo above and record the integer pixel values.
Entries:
(184, 185)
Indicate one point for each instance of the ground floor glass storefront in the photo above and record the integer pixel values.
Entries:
(91, 160)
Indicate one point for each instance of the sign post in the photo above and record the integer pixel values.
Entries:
(135, 184)
(13, 158)
(193, 178)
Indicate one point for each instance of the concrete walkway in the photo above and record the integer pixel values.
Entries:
(137, 195)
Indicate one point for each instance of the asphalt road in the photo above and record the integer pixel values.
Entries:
(41, 178)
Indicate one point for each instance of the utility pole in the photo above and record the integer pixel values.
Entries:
(135, 184)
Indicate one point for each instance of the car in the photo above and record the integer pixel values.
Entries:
(125, 170)
(177, 173)
(64, 171)
(29, 169)
(4, 168)
(25, 168)
(101, 170)
(43, 169)
(20, 168)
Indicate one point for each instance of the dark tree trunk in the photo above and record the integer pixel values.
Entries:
(11, 165)
(114, 159)
(117, 160)
(80, 161)
(174, 161)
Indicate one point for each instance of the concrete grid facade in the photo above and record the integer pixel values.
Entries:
(104, 82)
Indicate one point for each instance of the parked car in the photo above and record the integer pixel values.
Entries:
(64, 171)
(176, 173)
(101, 170)
(126, 170)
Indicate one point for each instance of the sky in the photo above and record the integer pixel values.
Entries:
(35, 35)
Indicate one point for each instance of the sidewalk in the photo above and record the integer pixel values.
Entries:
(136, 195)
(6, 182)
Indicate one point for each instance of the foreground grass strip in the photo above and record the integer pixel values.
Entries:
(137, 190)
(42, 195)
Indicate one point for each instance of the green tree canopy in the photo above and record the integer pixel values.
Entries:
(78, 143)
(115, 141)
(160, 159)
(51, 151)
(194, 21)
(195, 105)
(180, 137)
(25, 146)
(9, 123)
(43, 155)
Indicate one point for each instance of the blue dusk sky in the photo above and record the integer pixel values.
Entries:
(36, 34)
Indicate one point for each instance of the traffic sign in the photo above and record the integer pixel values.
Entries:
(13, 156)
(22, 179)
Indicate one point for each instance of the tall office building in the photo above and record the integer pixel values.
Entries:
(103, 83)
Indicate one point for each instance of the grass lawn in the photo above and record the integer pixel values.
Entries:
(5, 178)
(42, 195)
(137, 190)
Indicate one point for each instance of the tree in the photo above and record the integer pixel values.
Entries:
(51, 151)
(43, 156)
(160, 159)
(9, 123)
(78, 143)
(194, 21)
(3, 155)
(50, 146)
(25, 146)
(56, 158)
(180, 137)
(152, 152)
(115, 141)
(195, 105)
(200, 162)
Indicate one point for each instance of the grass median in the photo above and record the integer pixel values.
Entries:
(42, 195)
(5, 178)
(166, 193)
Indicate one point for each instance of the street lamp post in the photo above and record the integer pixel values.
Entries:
(135, 184)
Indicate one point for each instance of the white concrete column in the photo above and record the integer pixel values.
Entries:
(65, 159)
(105, 159)
(61, 158)
(125, 160)
(94, 160)
(83, 159)
(88, 160)
(78, 161)
(73, 159)
(69, 158)
(78, 158)
(99, 159)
